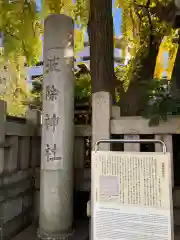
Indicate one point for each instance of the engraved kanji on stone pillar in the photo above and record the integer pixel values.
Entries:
(56, 186)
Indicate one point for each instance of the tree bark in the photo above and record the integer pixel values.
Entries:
(176, 69)
(100, 30)
(164, 12)
(132, 102)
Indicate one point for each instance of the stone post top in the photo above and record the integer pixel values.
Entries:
(58, 31)
(177, 3)
(3, 105)
(2, 101)
(58, 17)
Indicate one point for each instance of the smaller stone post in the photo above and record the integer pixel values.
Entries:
(101, 117)
(2, 132)
(33, 117)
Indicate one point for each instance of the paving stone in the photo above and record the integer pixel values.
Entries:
(81, 232)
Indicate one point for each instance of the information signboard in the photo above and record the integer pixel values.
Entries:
(131, 196)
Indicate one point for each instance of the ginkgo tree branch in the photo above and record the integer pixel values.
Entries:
(23, 45)
(29, 7)
(151, 36)
(146, 9)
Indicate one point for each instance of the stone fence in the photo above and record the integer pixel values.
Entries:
(19, 159)
(20, 153)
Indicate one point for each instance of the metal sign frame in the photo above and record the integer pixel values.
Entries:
(96, 149)
(130, 141)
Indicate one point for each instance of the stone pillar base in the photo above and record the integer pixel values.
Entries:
(49, 236)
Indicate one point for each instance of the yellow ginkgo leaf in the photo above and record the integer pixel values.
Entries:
(159, 68)
(79, 39)
(171, 60)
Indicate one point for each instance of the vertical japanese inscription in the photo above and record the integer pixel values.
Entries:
(51, 121)
(51, 93)
(52, 65)
(50, 153)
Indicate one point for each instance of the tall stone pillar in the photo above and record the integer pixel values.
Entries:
(56, 186)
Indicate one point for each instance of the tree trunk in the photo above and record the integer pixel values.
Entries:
(132, 102)
(100, 29)
(176, 69)
(165, 12)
